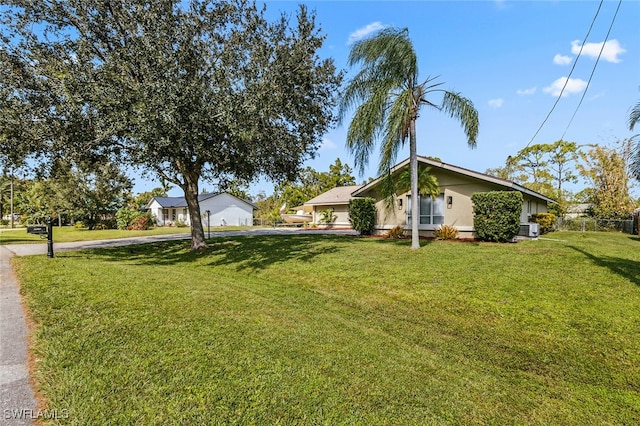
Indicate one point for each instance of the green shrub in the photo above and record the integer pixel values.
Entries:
(127, 217)
(106, 223)
(496, 215)
(179, 223)
(327, 216)
(79, 225)
(141, 223)
(547, 221)
(446, 232)
(362, 215)
(396, 233)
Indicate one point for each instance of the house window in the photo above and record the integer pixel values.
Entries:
(431, 210)
(165, 215)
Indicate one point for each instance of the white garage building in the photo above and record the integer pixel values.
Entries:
(224, 210)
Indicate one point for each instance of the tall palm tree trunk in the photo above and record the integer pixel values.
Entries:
(415, 203)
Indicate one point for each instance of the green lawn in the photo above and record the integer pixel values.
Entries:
(318, 329)
(67, 234)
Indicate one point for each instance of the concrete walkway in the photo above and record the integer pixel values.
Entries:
(18, 405)
(17, 400)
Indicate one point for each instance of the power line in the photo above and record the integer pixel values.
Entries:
(569, 77)
(593, 70)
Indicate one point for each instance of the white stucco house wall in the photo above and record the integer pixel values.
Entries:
(224, 210)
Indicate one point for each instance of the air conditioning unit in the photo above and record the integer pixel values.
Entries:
(531, 230)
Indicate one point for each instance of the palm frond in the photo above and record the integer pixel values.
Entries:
(461, 108)
(378, 92)
(396, 128)
(427, 183)
(634, 116)
(393, 184)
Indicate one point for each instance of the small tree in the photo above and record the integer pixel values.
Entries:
(605, 169)
(362, 215)
(496, 215)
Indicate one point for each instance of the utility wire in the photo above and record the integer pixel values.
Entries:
(569, 77)
(593, 70)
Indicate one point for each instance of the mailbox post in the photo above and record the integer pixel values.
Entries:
(208, 213)
(49, 237)
(44, 231)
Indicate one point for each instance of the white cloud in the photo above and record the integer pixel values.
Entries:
(574, 85)
(561, 59)
(327, 144)
(526, 92)
(363, 32)
(610, 53)
(501, 4)
(496, 103)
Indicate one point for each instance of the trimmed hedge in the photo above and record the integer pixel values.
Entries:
(496, 215)
(362, 215)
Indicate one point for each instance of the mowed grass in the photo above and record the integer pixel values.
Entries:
(318, 329)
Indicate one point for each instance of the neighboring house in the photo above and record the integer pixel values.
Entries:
(452, 207)
(224, 209)
(337, 200)
(577, 210)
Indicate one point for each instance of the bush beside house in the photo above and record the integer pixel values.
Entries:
(362, 215)
(547, 221)
(496, 215)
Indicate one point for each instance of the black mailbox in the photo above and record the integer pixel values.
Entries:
(37, 229)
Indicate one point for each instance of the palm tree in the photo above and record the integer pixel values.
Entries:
(387, 97)
(634, 118)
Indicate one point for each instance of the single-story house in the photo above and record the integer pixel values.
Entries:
(223, 209)
(452, 207)
(577, 210)
(336, 200)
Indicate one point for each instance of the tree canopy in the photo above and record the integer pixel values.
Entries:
(188, 90)
(544, 168)
(606, 169)
(310, 183)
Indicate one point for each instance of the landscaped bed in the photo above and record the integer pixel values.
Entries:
(318, 329)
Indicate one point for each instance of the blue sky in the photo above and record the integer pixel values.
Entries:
(509, 58)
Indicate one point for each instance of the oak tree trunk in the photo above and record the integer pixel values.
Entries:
(190, 189)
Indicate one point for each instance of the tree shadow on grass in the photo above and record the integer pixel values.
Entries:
(245, 252)
(626, 268)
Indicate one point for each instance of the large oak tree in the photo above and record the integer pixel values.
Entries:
(189, 90)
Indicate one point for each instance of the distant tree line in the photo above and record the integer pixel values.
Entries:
(549, 168)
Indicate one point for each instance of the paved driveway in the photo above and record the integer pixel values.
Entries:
(32, 249)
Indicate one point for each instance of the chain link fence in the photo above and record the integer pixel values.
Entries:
(584, 224)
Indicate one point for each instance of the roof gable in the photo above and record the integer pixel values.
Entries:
(176, 202)
(167, 202)
(464, 172)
